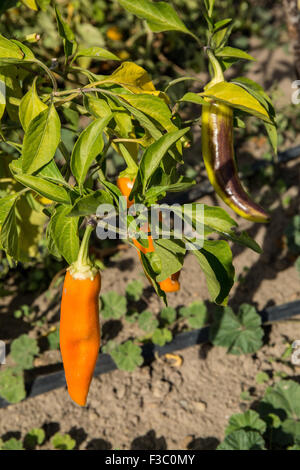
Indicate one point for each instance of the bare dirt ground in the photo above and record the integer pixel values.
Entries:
(165, 407)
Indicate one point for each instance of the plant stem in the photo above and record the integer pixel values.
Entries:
(218, 75)
(64, 151)
(49, 73)
(83, 255)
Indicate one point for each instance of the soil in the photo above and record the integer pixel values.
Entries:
(161, 406)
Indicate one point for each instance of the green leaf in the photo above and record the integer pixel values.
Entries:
(215, 259)
(144, 121)
(22, 229)
(283, 400)
(49, 172)
(261, 377)
(34, 437)
(168, 315)
(218, 219)
(273, 136)
(155, 193)
(160, 16)
(113, 305)
(241, 333)
(88, 205)
(244, 239)
(64, 232)
(134, 290)
(28, 54)
(12, 444)
(7, 203)
(127, 356)
(196, 314)
(30, 4)
(242, 440)
(45, 188)
(161, 336)
(11, 91)
(12, 385)
(155, 153)
(171, 253)
(97, 53)
(249, 421)
(209, 6)
(63, 441)
(30, 106)
(237, 97)
(89, 144)
(23, 350)
(245, 396)
(9, 233)
(193, 98)
(221, 24)
(65, 33)
(147, 321)
(257, 91)
(233, 52)
(96, 106)
(152, 106)
(41, 140)
(132, 77)
(53, 339)
(9, 50)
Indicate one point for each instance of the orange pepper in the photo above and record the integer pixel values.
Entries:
(80, 325)
(125, 185)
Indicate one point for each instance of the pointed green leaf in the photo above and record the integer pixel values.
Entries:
(64, 232)
(193, 98)
(89, 144)
(30, 106)
(28, 54)
(30, 4)
(97, 53)
(233, 52)
(45, 188)
(88, 205)
(9, 50)
(155, 153)
(41, 140)
(171, 253)
(237, 97)
(6, 204)
(215, 259)
(160, 16)
(65, 33)
(154, 107)
(9, 234)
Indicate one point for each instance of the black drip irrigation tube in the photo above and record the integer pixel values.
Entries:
(45, 383)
